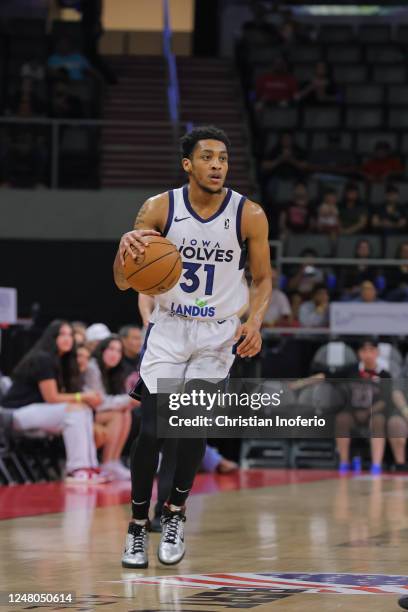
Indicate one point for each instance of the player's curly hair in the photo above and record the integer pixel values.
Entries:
(205, 132)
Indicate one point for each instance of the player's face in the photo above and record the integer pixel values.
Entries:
(112, 354)
(65, 339)
(208, 165)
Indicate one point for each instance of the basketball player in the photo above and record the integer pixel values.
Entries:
(194, 325)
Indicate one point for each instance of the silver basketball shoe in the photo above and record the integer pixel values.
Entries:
(137, 542)
(171, 548)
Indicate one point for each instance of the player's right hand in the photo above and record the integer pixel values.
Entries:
(133, 244)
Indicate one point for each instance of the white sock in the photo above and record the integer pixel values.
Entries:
(139, 522)
(175, 508)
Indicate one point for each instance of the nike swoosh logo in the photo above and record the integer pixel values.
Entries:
(182, 219)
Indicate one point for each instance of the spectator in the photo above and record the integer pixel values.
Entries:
(328, 214)
(333, 162)
(278, 86)
(95, 333)
(367, 399)
(297, 217)
(307, 276)
(295, 300)
(397, 278)
(353, 214)
(321, 89)
(383, 165)
(26, 99)
(45, 395)
(279, 310)
(285, 160)
(390, 219)
(132, 340)
(106, 375)
(368, 293)
(352, 277)
(68, 61)
(315, 312)
(79, 332)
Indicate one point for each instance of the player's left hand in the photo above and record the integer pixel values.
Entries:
(252, 342)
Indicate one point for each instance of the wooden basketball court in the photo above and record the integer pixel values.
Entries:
(259, 540)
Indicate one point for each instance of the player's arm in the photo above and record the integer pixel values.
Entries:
(150, 221)
(146, 306)
(255, 232)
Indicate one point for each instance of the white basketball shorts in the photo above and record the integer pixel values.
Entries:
(180, 348)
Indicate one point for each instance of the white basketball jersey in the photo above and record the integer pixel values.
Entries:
(212, 285)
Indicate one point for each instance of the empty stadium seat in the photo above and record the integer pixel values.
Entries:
(384, 54)
(304, 53)
(294, 245)
(321, 118)
(364, 94)
(350, 74)
(320, 140)
(389, 75)
(30, 28)
(280, 118)
(402, 34)
(392, 244)
(366, 141)
(397, 95)
(374, 33)
(332, 357)
(376, 194)
(272, 139)
(346, 245)
(390, 359)
(341, 54)
(404, 144)
(336, 33)
(364, 118)
(284, 191)
(397, 119)
(304, 72)
(258, 55)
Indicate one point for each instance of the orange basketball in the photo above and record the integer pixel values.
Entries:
(157, 269)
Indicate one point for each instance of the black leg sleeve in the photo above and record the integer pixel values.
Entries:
(144, 457)
(190, 453)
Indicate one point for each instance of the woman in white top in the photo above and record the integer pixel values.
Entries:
(105, 374)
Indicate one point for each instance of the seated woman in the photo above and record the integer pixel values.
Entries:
(45, 395)
(105, 373)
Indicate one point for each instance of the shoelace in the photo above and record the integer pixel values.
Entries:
(172, 526)
(138, 539)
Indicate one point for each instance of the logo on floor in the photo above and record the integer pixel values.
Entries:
(340, 584)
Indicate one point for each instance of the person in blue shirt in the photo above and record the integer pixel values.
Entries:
(70, 61)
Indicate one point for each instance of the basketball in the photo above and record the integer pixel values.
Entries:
(157, 269)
